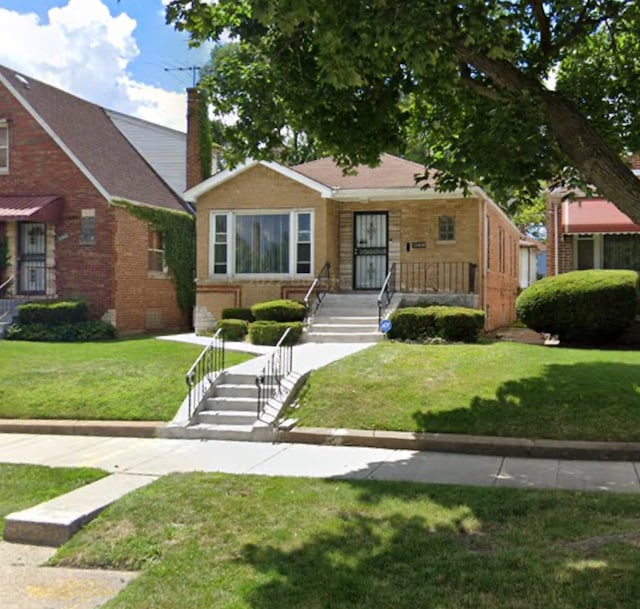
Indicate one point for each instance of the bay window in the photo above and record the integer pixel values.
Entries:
(261, 243)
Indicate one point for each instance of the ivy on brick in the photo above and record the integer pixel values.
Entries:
(179, 233)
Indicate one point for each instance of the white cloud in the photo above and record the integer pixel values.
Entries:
(85, 50)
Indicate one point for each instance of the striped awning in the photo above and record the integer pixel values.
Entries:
(39, 208)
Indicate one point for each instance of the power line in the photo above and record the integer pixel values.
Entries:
(193, 69)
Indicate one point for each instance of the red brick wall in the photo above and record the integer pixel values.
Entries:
(557, 246)
(38, 166)
(144, 301)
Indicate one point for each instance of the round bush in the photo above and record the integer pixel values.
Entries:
(238, 313)
(270, 332)
(278, 310)
(233, 329)
(588, 307)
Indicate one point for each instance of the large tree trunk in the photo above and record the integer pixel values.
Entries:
(591, 155)
(584, 147)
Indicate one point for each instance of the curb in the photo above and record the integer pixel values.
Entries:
(434, 442)
(118, 429)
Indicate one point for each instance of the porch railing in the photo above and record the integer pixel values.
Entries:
(386, 293)
(318, 290)
(278, 366)
(205, 369)
(424, 277)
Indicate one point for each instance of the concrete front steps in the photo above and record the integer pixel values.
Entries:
(345, 318)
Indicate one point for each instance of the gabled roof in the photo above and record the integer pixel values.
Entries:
(90, 137)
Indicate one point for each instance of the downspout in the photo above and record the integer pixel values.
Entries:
(556, 237)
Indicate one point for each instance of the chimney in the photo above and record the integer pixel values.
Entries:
(194, 165)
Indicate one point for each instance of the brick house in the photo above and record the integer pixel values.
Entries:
(589, 233)
(264, 231)
(66, 167)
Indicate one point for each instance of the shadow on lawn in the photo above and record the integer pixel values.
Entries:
(472, 549)
(587, 401)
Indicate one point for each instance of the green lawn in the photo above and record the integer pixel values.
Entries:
(500, 388)
(208, 541)
(23, 486)
(139, 379)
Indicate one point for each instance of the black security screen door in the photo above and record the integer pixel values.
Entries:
(370, 250)
(32, 257)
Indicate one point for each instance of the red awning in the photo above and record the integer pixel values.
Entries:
(595, 216)
(45, 208)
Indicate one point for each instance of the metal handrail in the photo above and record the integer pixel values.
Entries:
(387, 291)
(318, 289)
(6, 283)
(278, 366)
(208, 365)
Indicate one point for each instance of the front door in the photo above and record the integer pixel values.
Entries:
(32, 258)
(370, 250)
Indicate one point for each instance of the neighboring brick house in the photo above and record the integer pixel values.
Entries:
(589, 233)
(65, 165)
(265, 231)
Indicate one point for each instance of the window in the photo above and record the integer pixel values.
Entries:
(88, 227)
(4, 146)
(446, 228)
(156, 252)
(621, 252)
(265, 243)
(585, 256)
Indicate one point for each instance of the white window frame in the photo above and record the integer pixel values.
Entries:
(597, 249)
(155, 250)
(4, 125)
(231, 216)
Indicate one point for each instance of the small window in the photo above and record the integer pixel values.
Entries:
(446, 228)
(220, 244)
(156, 252)
(4, 146)
(303, 243)
(88, 227)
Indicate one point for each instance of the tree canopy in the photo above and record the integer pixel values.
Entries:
(467, 85)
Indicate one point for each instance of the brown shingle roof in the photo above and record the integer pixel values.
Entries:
(91, 136)
(393, 172)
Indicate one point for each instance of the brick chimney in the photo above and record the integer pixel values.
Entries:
(194, 166)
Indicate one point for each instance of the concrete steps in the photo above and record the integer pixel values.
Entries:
(345, 318)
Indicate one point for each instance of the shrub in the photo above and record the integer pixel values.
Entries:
(238, 313)
(269, 332)
(65, 332)
(278, 310)
(448, 323)
(52, 313)
(589, 307)
(233, 329)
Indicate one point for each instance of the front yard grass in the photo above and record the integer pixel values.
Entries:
(137, 379)
(23, 486)
(208, 541)
(499, 389)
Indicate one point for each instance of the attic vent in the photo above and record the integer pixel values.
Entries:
(23, 80)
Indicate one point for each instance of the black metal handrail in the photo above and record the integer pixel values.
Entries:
(386, 293)
(205, 369)
(424, 277)
(318, 290)
(278, 366)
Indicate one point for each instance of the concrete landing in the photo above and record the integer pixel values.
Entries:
(54, 522)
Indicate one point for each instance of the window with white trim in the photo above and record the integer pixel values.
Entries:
(4, 146)
(157, 262)
(261, 243)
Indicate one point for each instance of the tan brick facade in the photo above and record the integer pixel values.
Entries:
(109, 273)
(413, 234)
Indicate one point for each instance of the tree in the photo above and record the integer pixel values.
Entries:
(465, 82)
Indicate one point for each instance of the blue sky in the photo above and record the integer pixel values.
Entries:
(112, 53)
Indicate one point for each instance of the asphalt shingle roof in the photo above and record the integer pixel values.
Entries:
(86, 129)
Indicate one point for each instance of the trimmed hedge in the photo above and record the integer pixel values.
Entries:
(238, 313)
(62, 332)
(52, 313)
(269, 332)
(233, 329)
(458, 324)
(279, 310)
(587, 307)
